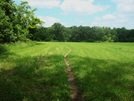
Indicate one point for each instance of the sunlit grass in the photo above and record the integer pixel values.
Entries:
(36, 71)
(104, 71)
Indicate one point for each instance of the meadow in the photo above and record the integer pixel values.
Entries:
(36, 71)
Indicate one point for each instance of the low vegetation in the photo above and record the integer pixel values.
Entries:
(33, 72)
(37, 72)
(103, 72)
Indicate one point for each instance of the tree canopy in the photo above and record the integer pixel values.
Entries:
(57, 32)
(17, 21)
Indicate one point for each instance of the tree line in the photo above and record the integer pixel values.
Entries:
(58, 32)
(18, 23)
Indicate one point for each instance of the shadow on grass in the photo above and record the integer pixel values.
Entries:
(4, 52)
(43, 78)
(40, 78)
(103, 80)
(3, 49)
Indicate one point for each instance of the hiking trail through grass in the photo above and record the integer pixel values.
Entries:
(74, 95)
(66, 71)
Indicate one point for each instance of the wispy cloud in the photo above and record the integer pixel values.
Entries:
(126, 6)
(111, 20)
(81, 6)
(109, 17)
(114, 13)
(69, 6)
(49, 21)
(121, 17)
(44, 3)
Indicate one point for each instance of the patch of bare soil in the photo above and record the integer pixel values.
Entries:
(74, 95)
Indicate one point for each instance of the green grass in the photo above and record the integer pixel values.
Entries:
(104, 72)
(33, 73)
(37, 72)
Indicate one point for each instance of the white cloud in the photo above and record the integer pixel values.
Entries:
(121, 21)
(44, 3)
(109, 17)
(49, 21)
(97, 18)
(122, 17)
(111, 20)
(124, 5)
(124, 13)
(81, 6)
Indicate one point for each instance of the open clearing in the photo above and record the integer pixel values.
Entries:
(37, 71)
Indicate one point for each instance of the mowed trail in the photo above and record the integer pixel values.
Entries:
(74, 95)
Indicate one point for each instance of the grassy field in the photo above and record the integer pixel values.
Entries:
(37, 72)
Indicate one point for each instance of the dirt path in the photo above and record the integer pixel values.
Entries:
(74, 95)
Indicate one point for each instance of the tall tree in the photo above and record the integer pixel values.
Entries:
(122, 34)
(58, 31)
(16, 21)
(25, 21)
(7, 9)
(130, 36)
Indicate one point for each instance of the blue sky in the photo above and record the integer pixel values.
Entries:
(108, 13)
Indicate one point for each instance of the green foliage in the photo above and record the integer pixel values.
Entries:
(6, 16)
(17, 21)
(25, 21)
(60, 33)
